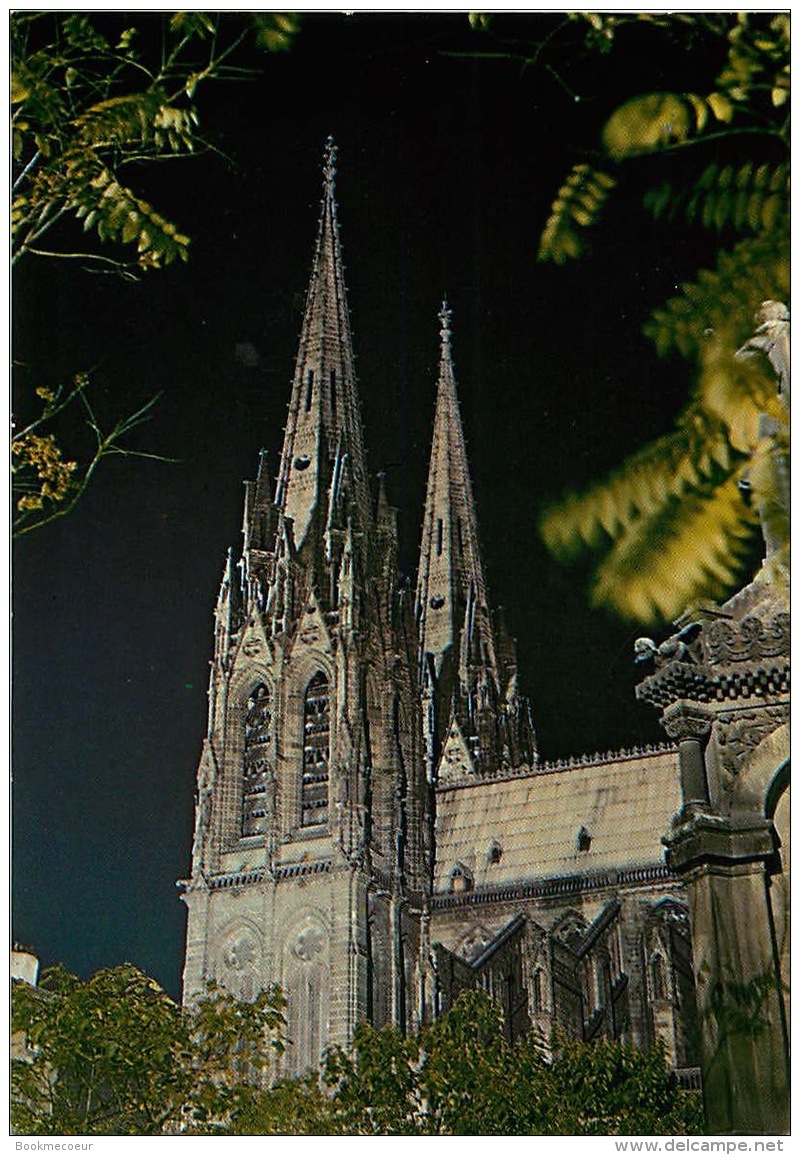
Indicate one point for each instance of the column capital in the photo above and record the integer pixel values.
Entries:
(684, 720)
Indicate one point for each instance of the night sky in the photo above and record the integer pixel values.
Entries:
(447, 167)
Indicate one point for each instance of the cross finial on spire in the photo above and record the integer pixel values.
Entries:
(329, 167)
(445, 316)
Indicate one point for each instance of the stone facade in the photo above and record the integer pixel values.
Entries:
(722, 686)
(374, 827)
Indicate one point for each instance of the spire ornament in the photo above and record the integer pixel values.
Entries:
(445, 330)
(329, 167)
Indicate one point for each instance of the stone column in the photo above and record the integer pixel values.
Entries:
(724, 860)
(743, 1045)
(690, 726)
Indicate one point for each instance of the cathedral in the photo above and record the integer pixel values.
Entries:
(375, 830)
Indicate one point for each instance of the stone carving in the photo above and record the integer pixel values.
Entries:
(681, 724)
(739, 735)
(240, 952)
(309, 942)
(474, 943)
(205, 788)
(726, 641)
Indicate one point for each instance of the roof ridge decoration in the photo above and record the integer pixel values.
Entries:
(574, 762)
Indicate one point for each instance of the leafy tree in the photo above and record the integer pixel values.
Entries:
(93, 97)
(461, 1077)
(674, 520)
(95, 101)
(115, 1055)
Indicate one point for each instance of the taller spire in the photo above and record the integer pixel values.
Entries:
(469, 685)
(324, 422)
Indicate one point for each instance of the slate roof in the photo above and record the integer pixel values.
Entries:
(623, 801)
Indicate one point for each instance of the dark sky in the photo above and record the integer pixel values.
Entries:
(447, 167)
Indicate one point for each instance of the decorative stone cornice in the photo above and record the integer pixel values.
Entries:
(701, 839)
(753, 638)
(556, 887)
(720, 659)
(236, 879)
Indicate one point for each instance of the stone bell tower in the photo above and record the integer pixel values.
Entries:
(308, 864)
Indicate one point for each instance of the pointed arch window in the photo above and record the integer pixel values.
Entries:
(316, 752)
(257, 759)
(309, 389)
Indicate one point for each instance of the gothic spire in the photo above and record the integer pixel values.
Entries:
(452, 606)
(474, 716)
(324, 419)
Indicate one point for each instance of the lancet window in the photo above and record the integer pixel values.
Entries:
(257, 761)
(316, 752)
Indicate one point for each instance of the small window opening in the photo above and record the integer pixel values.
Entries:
(333, 393)
(437, 602)
(302, 463)
(584, 840)
(460, 878)
(439, 535)
(309, 389)
(460, 536)
(495, 854)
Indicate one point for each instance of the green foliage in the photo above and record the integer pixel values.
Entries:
(108, 1055)
(461, 1077)
(45, 485)
(746, 196)
(92, 100)
(579, 202)
(725, 299)
(672, 521)
(86, 105)
(115, 1055)
(611, 1089)
(290, 1107)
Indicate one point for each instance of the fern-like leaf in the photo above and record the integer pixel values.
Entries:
(748, 198)
(694, 548)
(139, 118)
(579, 202)
(275, 31)
(696, 453)
(725, 298)
(97, 197)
